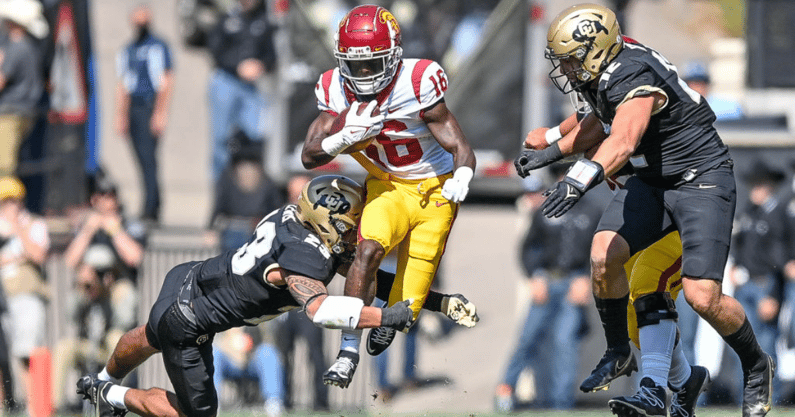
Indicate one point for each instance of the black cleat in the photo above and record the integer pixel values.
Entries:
(612, 365)
(341, 372)
(379, 339)
(96, 391)
(683, 400)
(648, 401)
(758, 388)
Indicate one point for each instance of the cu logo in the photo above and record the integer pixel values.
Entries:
(587, 30)
(335, 202)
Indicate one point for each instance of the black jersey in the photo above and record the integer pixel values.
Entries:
(680, 135)
(232, 290)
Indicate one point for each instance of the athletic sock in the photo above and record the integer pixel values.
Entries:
(613, 313)
(351, 339)
(656, 343)
(116, 396)
(744, 342)
(680, 367)
(105, 376)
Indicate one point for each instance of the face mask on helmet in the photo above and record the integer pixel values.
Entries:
(368, 49)
(332, 205)
(581, 43)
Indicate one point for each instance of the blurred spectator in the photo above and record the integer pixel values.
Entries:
(295, 325)
(21, 80)
(785, 344)
(24, 244)
(241, 354)
(143, 95)
(244, 193)
(97, 333)
(105, 233)
(695, 74)
(555, 256)
(243, 51)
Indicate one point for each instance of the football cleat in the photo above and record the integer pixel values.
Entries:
(612, 365)
(96, 392)
(648, 401)
(758, 388)
(341, 372)
(683, 400)
(379, 339)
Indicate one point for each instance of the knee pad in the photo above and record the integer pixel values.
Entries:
(651, 308)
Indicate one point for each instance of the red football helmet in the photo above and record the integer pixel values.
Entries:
(368, 48)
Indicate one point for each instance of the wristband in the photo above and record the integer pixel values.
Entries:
(585, 174)
(333, 144)
(553, 135)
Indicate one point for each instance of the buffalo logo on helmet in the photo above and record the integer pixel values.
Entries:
(587, 30)
(336, 203)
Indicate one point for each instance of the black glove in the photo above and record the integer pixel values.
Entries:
(581, 177)
(531, 159)
(398, 317)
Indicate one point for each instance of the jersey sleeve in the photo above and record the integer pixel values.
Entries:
(304, 259)
(631, 80)
(429, 82)
(323, 92)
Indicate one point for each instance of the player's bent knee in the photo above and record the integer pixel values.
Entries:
(702, 295)
(370, 251)
(652, 308)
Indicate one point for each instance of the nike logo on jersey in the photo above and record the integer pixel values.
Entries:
(439, 204)
(705, 186)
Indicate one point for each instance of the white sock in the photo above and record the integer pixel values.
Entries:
(680, 367)
(656, 344)
(116, 396)
(105, 376)
(351, 339)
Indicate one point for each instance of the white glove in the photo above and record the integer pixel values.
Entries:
(460, 310)
(357, 128)
(455, 189)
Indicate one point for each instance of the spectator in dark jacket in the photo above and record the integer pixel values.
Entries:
(243, 50)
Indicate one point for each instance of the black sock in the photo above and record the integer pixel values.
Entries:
(613, 313)
(744, 342)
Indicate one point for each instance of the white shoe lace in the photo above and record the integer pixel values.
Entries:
(676, 407)
(647, 394)
(383, 335)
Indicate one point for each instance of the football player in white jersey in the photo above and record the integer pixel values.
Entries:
(419, 163)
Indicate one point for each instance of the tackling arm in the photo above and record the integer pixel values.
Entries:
(629, 125)
(340, 312)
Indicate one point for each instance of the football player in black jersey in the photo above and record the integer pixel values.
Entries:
(294, 253)
(642, 114)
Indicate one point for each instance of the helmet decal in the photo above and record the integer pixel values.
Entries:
(334, 202)
(385, 16)
(587, 29)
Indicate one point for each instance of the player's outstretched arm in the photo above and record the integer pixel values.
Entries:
(341, 312)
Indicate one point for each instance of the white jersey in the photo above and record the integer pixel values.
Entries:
(405, 147)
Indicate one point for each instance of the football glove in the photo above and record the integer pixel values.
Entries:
(460, 310)
(581, 177)
(357, 128)
(456, 188)
(399, 316)
(531, 159)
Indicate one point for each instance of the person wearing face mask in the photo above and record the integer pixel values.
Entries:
(143, 95)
